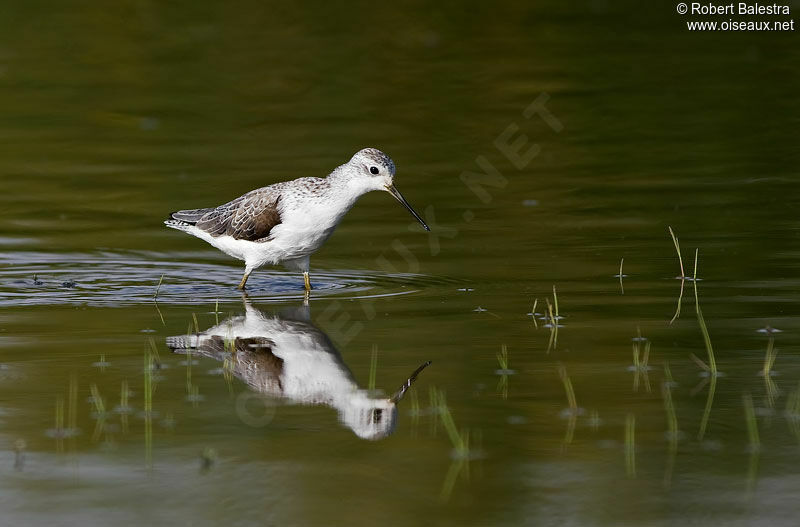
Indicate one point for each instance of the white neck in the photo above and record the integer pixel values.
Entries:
(347, 187)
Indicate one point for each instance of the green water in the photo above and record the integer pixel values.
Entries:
(113, 115)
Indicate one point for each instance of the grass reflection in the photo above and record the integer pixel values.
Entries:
(754, 442)
(640, 366)
(710, 368)
(630, 445)
(460, 440)
(672, 430)
(572, 411)
(770, 387)
(504, 371)
(792, 412)
(147, 389)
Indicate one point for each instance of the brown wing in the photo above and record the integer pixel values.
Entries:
(250, 217)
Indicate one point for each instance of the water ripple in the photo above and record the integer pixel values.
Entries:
(113, 278)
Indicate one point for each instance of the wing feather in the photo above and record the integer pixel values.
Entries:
(249, 217)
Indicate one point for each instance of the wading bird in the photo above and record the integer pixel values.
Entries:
(287, 222)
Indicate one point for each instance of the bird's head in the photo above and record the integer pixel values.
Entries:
(371, 169)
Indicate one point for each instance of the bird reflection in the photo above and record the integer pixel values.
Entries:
(287, 356)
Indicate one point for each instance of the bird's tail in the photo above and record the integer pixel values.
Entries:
(190, 216)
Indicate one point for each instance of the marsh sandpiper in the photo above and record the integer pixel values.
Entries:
(287, 222)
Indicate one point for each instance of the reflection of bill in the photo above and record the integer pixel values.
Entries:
(288, 357)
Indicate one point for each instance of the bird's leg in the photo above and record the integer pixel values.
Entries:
(244, 280)
(307, 281)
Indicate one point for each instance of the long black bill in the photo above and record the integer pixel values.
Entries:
(406, 385)
(399, 197)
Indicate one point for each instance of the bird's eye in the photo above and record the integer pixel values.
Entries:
(374, 170)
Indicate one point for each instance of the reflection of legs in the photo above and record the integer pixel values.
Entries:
(246, 301)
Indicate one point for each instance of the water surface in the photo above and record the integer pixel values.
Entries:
(113, 117)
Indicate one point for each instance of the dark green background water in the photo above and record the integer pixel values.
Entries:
(112, 115)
